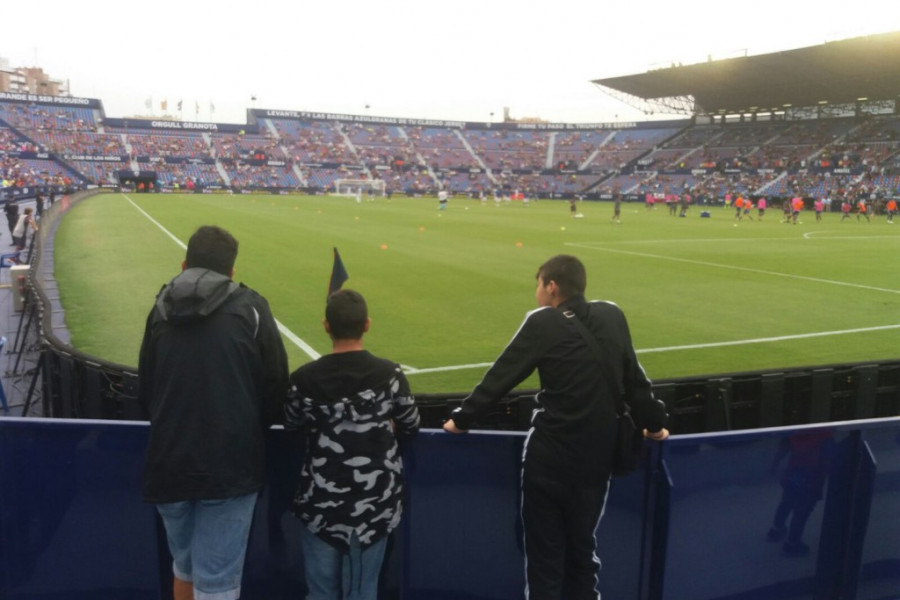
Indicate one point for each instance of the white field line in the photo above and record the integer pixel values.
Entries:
(281, 327)
(734, 268)
(808, 236)
(782, 338)
(412, 371)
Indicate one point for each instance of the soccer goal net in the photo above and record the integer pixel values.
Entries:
(365, 187)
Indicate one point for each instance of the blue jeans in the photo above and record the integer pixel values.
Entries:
(333, 575)
(208, 542)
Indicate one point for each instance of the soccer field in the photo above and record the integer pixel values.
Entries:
(447, 289)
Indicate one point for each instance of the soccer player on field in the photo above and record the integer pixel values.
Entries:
(796, 207)
(738, 207)
(861, 209)
(845, 209)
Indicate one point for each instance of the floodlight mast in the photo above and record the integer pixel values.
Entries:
(679, 105)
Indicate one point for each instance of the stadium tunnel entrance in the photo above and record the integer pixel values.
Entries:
(139, 181)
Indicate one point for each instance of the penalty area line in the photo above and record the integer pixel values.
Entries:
(414, 371)
(290, 335)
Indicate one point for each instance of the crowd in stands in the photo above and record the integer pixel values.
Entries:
(169, 144)
(235, 147)
(99, 173)
(186, 175)
(506, 150)
(28, 172)
(576, 147)
(245, 176)
(417, 180)
(10, 142)
(441, 148)
(378, 145)
(811, 158)
(36, 117)
(313, 142)
(67, 143)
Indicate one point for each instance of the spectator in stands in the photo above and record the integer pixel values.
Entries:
(569, 449)
(212, 378)
(353, 406)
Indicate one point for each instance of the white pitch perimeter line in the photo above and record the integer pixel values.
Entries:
(734, 268)
(281, 327)
(783, 338)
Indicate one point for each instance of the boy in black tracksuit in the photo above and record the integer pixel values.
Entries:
(568, 451)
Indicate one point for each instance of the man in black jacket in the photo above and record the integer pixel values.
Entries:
(568, 451)
(212, 378)
(12, 214)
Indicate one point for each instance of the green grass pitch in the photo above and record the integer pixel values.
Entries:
(447, 289)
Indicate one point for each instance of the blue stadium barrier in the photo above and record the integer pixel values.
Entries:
(691, 526)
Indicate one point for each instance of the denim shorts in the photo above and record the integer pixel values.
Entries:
(208, 542)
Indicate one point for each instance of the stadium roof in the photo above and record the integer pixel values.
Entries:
(835, 72)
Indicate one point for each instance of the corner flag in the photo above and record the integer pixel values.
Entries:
(338, 274)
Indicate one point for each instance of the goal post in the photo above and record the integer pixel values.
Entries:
(349, 187)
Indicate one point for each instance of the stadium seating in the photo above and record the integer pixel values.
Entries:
(775, 158)
(40, 117)
(191, 145)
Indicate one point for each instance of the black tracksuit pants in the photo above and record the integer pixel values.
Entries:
(559, 521)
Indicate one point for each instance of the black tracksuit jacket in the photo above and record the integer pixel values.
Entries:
(573, 430)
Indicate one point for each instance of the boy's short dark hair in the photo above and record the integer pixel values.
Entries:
(568, 273)
(212, 248)
(346, 313)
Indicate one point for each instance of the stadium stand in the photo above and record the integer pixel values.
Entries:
(813, 158)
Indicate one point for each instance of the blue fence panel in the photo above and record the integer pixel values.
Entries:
(879, 576)
(784, 513)
(72, 524)
(694, 525)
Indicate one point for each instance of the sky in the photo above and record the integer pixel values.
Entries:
(464, 60)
